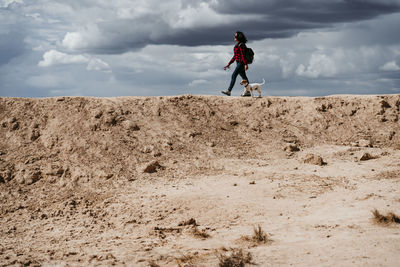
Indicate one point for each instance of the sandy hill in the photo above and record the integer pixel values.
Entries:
(101, 181)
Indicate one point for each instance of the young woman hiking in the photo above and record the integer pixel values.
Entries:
(241, 63)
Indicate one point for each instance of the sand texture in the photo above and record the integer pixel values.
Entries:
(199, 181)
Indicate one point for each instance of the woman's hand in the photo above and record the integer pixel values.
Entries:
(246, 67)
(226, 67)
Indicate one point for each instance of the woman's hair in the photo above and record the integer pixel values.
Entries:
(241, 37)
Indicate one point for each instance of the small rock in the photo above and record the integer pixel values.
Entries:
(35, 135)
(6, 176)
(364, 143)
(130, 125)
(352, 112)
(211, 144)
(292, 148)
(148, 149)
(157, 154)
(98, 114)
(111, 119)
(15, 126)
(32, 177)
(367, 156)
(153, 167)
(194, 134)
(314, 159)
(385, 104)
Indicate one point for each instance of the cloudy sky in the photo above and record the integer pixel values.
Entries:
(172, 47)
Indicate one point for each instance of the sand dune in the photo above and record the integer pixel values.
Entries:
(185, 180)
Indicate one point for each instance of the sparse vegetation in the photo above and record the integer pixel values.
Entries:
(153, 264)
(259, 236)
(200, 233)
(186, 260)
(388, 219)
(191, 221)
(237, 258)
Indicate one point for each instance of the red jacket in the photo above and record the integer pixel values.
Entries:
(238, 54)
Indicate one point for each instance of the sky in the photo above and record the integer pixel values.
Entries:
(113, 48)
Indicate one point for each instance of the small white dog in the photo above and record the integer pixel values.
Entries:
(252, 86)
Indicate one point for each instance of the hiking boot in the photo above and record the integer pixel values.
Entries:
(246, 94)
(228, 93)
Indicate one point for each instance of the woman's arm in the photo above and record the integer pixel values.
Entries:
(230, 62)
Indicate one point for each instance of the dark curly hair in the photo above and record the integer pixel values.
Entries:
(240, 37)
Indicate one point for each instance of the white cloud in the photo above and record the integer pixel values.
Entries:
(6, 3)
(74, 40)
(197, 83)
(98, 65)
(203, 15)
(53, 57)
(390, 66)
(320, 65)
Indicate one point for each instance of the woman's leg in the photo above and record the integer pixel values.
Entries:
(242, 73)
(235, 73)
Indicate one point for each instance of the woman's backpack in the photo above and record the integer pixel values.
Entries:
(249, 54)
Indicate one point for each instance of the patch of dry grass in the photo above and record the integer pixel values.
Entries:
(153, 264)
(200, 233)
(258, 237)
(385, 219)
(186, 260)
(236, 258)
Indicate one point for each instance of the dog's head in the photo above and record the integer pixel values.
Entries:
(244, 83)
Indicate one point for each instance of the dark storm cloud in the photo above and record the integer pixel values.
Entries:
(320, 11)
(286, 18)
(223, 34)
(258, 19)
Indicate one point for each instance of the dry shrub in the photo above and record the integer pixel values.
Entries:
(191, 221)
(186, 260)
(258, 237)
(388, 219)
(200, 233)
(237, 258)
(153, 264)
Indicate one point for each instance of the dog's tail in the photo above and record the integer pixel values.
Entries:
(263, 82)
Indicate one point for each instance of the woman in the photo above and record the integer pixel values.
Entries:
(241, 63)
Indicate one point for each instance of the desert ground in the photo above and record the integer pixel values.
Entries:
(200, 181)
